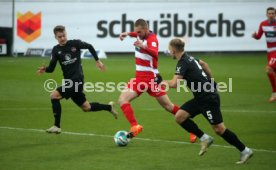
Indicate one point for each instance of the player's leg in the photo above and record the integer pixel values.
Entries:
(126, 96)
(183, 119)
(80, 99)
(166, 103)
(131, 92)
(272, 79)
(233, 139)
(211, 111)
(56, 107)
(270, 71)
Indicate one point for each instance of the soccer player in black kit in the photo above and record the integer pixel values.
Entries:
(206, 100)
(67, 53)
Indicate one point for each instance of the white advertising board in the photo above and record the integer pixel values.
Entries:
(210, 26)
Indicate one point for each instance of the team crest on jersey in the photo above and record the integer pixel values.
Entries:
(154, 44)
(178, 69)
(67, 57)
(73, 49)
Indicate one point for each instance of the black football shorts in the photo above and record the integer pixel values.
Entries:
(208, 106)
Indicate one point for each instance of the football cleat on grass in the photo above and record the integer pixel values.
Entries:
(54, 129)
(205, 145)
(192, 138)
(113, 111)
(134, 131)
(245, 156)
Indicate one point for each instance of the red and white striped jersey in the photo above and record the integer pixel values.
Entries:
(269, 29)
(146, 59)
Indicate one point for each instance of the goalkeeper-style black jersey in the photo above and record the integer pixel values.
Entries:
(69, 59)
(196, 78)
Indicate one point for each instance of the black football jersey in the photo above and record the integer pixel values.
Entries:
(194, 76)
(69, 59)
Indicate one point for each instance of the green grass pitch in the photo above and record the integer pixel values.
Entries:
(87, 143)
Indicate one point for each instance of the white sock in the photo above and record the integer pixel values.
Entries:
(204, 137)
(246, 149)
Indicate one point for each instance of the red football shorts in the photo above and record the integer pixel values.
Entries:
(141, 85)
(272, 59)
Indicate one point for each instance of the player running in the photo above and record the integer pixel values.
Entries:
(206, 101)
(147, 76)
(268, 27)
(67, 53)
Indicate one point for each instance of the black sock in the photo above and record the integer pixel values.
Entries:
(98, 107)
(57, 111)
(191, 127)
(232, 139)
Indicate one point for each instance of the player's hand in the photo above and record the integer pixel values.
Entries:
(139, 43)
(100, 65)
(254, 35)
(41, 70)
(123, 35)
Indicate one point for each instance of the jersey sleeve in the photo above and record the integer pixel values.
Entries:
(132, 34)
(53, 62)
(181, 68)
(259, 33)
(85, 45)
(152, 47)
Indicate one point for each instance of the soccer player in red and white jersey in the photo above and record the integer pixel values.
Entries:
(268, 27)
(147, 76)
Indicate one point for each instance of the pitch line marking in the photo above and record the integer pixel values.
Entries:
(144, 139)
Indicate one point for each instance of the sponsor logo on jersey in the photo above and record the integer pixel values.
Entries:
(28, 26)
(67, 57)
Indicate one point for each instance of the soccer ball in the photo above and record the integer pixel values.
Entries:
(121, 138)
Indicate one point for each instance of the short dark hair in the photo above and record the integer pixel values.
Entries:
(141, 22)
(178, 44)
(59, 28)
(270, 8)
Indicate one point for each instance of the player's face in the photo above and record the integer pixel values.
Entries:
(172, 52)
(61, 37)
(141, 32)
(271, 15)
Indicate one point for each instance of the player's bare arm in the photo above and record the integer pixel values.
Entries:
(206, 68)
(173, 82)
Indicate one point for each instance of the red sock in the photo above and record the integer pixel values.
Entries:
(175, 109)
(272, 80)
(128, 112)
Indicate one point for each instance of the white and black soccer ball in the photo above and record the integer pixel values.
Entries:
(121, 138)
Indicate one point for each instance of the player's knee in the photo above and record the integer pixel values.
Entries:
(85, 108)
(122, 100)
(55, 95)
(219, 129)
(180, 117)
